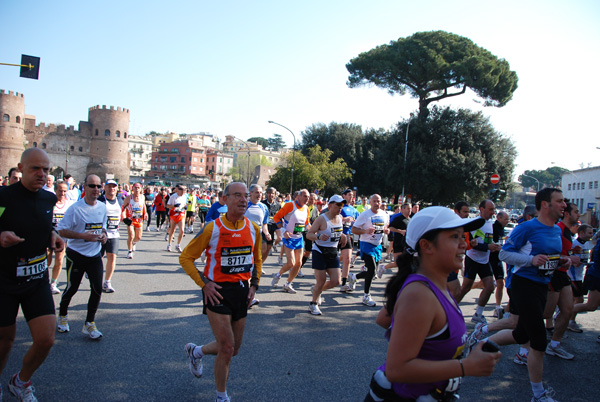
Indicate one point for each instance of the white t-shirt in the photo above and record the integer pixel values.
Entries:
(367, 219)
(80, 218)
(483, 234)
(113, 214)
(180, 201)
(576, 273)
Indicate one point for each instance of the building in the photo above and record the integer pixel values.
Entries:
(218, 165)
(99, 145)
(582, 188)
(180, 159)
(140, 151)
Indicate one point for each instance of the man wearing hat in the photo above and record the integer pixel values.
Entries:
(114, 209)
(349, 216)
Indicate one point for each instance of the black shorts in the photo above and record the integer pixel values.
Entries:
(560, 279)
(472, 269)
(328, 260)
(202, 215)
(498, 270)
(190, 214)
(35, 299)
(578, 289)
(234, 302)
(307, 243)
(591, 282)
(271, 227)
(452, 277)
(111, 246)
(530, 299)
(512, 307)
(348, 245)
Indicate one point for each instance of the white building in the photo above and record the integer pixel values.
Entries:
(140, 150)
(582, 188)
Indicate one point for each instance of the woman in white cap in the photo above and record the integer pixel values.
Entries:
(427, 333)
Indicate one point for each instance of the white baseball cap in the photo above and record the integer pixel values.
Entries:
(336, 198)
(434, 218)
(111, 182)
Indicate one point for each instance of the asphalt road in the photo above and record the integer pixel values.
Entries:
(287, 355)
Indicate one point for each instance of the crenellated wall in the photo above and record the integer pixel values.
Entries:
(12, 122)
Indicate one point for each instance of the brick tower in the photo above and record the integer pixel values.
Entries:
(12, 129)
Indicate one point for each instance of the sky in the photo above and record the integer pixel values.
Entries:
(228, 67)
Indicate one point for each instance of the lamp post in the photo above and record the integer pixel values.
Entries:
(531, 177)
(405, 154)
(293, 153)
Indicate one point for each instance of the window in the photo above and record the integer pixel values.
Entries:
(96, 132)
(163, 167)
(80, 148)
(43, 145)
(72, 148)
(118, 134)
(583, 186)
(174, 150)
(202, 160)
(596, 184)
(173, 159)
(183, 159)
(569, 187)
(193, 167)
(5, 117)
(18, 119)
(220, 159)
(591, 185)
(578, 186)
(125, 135)
(35, 144)
(165, 150)
(107, 133)
(163, 158)
(213, 158)
(196, 160)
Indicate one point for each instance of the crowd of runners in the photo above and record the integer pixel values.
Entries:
(549, 265)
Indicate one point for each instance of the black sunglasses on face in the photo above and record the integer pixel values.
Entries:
(94, 185)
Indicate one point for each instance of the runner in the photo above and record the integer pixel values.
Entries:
(161, 211)
(177, 208)
(397, 226)
(84, 224)
(203, 205)
(349, 216)
(497, 269)
(149, 201)
(534, 248)
(582, 247)
(313, 213)
(190, 212)
(25, 233)
(218, 208)
(258, 213)
(427, 332)
(371, 225)
(591, 284)
(273, 207)
(325, 233)
(134, 208)
(229, 282)
(14, 176)
(294, 219)
(61, 206)
(114, 212)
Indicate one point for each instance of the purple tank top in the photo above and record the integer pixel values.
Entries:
(435, 349)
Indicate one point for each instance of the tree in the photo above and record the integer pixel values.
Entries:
(312, 171)
(550, 177)
(263, 142)
(434, 65)
(343, 139)
(451, 157)
(276, 142)
(240, 171)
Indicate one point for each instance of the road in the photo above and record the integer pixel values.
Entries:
(287, 355)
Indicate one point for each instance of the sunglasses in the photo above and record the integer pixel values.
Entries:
(94, 185)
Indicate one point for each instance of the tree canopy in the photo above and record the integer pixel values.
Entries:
(550, 177)
(263, 142)
(434, 65)
(276, 142)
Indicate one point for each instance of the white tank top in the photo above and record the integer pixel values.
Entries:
(333, 230)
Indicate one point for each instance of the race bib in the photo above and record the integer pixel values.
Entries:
(93, 228)
(32, 266)
(236, 260)
(549, 266)
(488, 239)
(336, 234)
(112, 223)
(56, 218)
(299, 228)
(136, 213)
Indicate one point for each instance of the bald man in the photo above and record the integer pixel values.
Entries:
(25, 234)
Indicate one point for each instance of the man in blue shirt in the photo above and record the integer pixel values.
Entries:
(217, 209)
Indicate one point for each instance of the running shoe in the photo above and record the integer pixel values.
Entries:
(23, 393)
(300, 274)
(219, 399)
(547, 396)
(364, 268)
(254, 302)
(498, 312)
(275, 280)
(130, 255)
(520, 359)
(352, 281)
(367, 301)
(169, 248)
(62, 324)
(314, 309)
(107, 287)
(478, 318)
(54, 289)
(380, 271)
(345, 288)
(574, 327)
(280, 260)
(559, 351)
(178, 248)
(167, 236)
(133, 248)
(289, 288)
(476, 335)
(90, 329)
(195, 362)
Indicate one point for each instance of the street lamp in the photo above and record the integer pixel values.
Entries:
(293, 153)
(405, 154)
(538, 182)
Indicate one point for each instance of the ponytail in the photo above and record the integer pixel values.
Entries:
(406, 266)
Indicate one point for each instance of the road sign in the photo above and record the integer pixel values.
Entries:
(495, 179)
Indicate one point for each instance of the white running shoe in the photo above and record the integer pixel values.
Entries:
(130, 255)
(195, 362)
(178, 248)
(23, 393)
(478, 318)
(367, 301)
(167, 236)
(380, 271)
(275, 280)
(314, 309)
(54, 289)
(107, 287)
(289, 288)
(559, 351)
(280, 260)
(300, 274)
(345, 288)
(90, 329)
(364, 268)
(169, 248)
(352, 281)
(62, 324)
(547, 396)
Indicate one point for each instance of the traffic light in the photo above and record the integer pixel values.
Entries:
(496, 194)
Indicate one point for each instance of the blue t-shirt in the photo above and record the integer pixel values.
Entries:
(530, 239)
(257, 213)
(594, 269)
(216, 210)
(349, 210)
